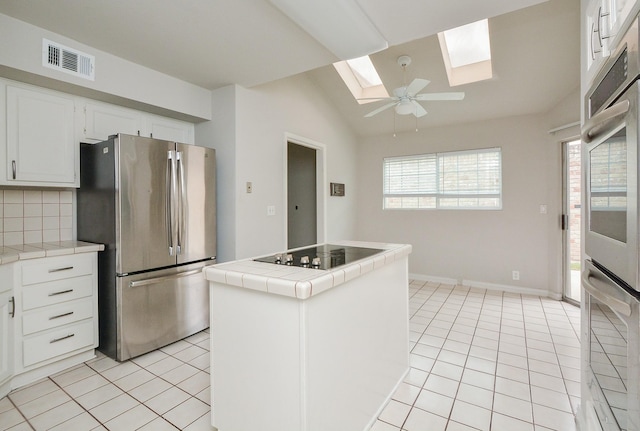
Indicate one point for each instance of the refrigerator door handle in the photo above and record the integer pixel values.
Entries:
(169, 206)
(182, 190)
(156, 280)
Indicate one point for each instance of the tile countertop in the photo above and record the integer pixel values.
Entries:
(12, 253)
(300, 282)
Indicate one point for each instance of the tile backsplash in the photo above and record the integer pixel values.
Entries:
(35, 216)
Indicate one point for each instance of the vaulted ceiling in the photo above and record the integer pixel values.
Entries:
(213, 43)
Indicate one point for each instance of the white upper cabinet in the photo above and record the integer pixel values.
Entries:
(41, 146)
(41, 131)
(170, 129)
(102, 120)
(598, 35)
(621, 14)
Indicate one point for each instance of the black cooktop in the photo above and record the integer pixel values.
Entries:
(328, 256)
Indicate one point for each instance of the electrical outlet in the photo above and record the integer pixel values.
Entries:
(515, 275)
(271, 210)
(249, 187)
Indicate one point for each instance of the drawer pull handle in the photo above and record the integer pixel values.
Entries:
(66, 268)
(55, 340)
(61, 292)
(61, 315)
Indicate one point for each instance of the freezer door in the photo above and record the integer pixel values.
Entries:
(196, 177)
(160, 307)
(143, 198)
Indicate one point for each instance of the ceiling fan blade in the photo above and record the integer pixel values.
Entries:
(420, 111)
(378, 98)
(400, 92)
(417, 85)
(380, 109)
(439, 96)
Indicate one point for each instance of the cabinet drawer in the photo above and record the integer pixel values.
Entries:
(40, 347)
(41, 295)
(57, 268)
(57, 315)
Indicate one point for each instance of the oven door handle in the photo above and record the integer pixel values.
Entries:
(603, 122)
(598, 289)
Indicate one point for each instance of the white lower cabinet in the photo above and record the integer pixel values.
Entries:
(6, 338)
(56, 323)
(7, 311)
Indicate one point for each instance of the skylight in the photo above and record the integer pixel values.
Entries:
(364, 72)
(466, 51)
(361, 78)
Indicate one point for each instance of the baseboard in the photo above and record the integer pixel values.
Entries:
(512, 289)
(28, 377)
(442, 280)
(489, 286)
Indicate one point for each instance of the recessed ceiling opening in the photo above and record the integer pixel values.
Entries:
(362, 79)
(466, 51)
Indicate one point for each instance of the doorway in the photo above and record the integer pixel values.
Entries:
(302, 198)
(572, 219)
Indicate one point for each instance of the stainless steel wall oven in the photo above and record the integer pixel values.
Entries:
(611, 305)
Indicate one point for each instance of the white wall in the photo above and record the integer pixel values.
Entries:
(478, 247)
(220, 133)
(264, 117)
(117, 80)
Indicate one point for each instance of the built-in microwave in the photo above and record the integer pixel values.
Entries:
(611, 139)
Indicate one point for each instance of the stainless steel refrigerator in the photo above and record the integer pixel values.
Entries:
(152, 204)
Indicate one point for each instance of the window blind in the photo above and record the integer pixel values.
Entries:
(453, 180)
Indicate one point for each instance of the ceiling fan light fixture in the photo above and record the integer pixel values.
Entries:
(405, 107)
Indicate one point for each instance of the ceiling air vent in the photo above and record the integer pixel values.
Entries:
(68, 60)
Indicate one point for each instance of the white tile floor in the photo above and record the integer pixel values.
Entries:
(480, 360)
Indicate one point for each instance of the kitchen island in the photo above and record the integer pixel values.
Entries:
(305, 349)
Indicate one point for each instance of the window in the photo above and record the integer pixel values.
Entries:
(453, 180)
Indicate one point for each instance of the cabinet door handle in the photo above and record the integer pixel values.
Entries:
(61, 315)
(66, 268)
(13, 168)
(13, 307)
(61, 292)
(55, 340)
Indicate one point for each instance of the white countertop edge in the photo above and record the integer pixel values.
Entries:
(302, 283)
(15, 252)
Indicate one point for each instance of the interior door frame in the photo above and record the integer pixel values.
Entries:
(566, 231)
(321, 190)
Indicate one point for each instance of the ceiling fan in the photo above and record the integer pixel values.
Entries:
(405, 99)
